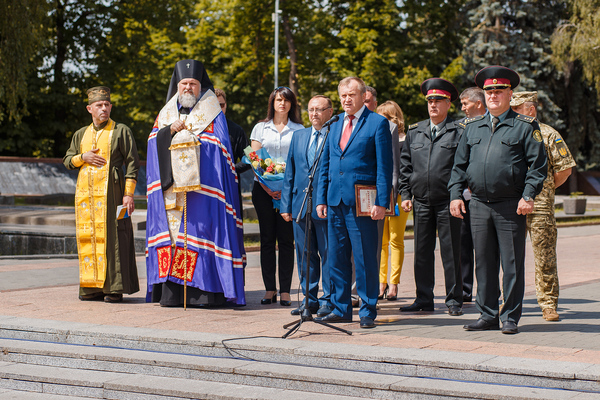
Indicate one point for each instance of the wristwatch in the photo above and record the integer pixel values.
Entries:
(527, 198)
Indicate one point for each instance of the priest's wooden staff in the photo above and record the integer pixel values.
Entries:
(185, 180)
(185, 258)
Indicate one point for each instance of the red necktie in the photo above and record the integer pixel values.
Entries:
(347, 133)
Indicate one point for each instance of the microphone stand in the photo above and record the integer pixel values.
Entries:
(305, 315)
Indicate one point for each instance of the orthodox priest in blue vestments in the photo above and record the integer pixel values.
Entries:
(215, 242)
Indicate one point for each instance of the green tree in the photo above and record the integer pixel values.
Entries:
(20, 33)
(69, 36)
(137, 56)
(578, 39)
(517, 34)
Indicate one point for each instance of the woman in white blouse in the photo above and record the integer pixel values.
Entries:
(274, 133)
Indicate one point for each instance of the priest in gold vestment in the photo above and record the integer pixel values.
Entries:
(105, 244)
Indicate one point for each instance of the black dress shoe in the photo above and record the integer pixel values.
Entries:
(93, 296)
(298, 311)
(455, 311)
(366, 322)
(333, 317)
(482, 325)
(509, 327)
(417, 307)
(113, 298)
(323, 311)
(270, 301)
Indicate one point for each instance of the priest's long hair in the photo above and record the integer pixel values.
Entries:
(286, 93)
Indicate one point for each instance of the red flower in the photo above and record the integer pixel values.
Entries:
(270, 168)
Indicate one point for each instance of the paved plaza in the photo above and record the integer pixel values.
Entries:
(47, 288)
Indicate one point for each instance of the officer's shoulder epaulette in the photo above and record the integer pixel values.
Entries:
(525, 118)
(413, 126)
(469, 120)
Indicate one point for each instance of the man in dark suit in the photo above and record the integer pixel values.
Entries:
(238, 138)
(304, 148)
(426, 161)
(358, 151)
(501, 158)
(473, 105)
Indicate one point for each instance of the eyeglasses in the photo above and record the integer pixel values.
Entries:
(282, 87)
(317, 110)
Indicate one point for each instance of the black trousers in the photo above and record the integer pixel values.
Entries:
(499, 234)
(273, 229)
(428, 218)
(466, 253)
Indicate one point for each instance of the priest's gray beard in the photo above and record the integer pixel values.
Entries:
(187, 100)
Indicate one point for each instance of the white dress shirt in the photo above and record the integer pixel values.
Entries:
(357, 115)
(277, 144)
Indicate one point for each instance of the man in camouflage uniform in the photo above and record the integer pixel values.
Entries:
(541, 222)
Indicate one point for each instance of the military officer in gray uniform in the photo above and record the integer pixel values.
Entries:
(541, 223)
(426, 161)
(501, 158)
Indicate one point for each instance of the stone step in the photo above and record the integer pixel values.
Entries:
(98, 372)
(6, 394)
(327, 368)
(54, 216)
(45, 239)
(92, 383)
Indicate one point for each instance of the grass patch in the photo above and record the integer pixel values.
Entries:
(249, 242)
(583, 221)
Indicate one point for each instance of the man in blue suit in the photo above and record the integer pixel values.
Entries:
(301, 156)
(357, 151)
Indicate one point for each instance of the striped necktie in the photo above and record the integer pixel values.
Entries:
(312, 150)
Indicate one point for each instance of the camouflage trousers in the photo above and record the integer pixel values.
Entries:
(542, 230)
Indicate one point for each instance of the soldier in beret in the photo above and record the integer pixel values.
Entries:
(426, 162)
(541, 222)
(105, 245)
(501, 158)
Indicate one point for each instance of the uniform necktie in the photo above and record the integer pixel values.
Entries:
(347, 133)
(312, 150)
(495, 122)
(433, 132)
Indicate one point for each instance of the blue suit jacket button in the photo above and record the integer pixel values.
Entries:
(341, 173)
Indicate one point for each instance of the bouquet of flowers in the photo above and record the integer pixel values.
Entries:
(268, 171)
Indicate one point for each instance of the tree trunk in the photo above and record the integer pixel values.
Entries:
(59, 87)
(289, 37)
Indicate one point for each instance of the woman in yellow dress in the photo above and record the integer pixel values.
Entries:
(393, 231)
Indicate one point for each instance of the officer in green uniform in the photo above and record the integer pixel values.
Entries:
(541, 223)
(425, 164)
(501, 158)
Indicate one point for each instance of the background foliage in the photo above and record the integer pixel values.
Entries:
(56, 49)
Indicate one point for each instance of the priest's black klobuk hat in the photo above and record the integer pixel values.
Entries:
(438, 88)
(189, 69)
(497, 77)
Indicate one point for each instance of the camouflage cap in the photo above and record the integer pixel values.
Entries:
(98, 93)
(519, 98)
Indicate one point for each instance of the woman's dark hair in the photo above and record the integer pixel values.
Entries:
(286, 93)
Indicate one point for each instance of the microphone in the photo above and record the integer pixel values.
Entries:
(335, 118)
